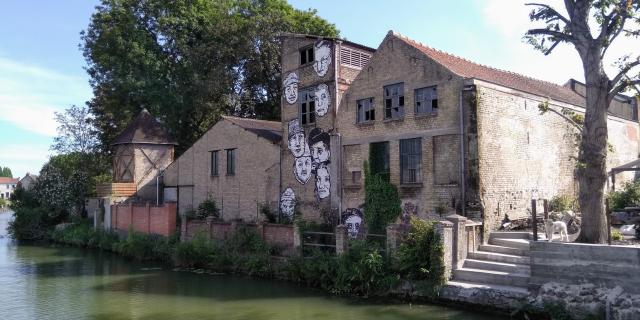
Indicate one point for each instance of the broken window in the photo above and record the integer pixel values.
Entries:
(307, 114)
(394, 101)
(366, 110)
(379, 159)
(231, 162)
(426, 100)
(411, 160)
(306, 55)
(214, 163)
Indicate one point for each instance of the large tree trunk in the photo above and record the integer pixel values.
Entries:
(592, 171)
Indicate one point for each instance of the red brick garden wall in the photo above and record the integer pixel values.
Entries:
(148, 219)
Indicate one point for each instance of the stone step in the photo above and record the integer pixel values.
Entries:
(491, 277)
(520, 291)
(521, 244)
(498, 257)
(497, 266)
(510, 235)
(503, 250)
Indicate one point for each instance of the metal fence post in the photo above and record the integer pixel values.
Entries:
(608, 215)
(534, 219)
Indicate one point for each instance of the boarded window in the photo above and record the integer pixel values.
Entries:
(306, 55)
(214, 162)
(352, 168)
(426, 100)
(394, 101)
(411, 160)
(446, 159)
(365, 111)
(231, 162)
(354, 58)
(307, 112)
(379, 158)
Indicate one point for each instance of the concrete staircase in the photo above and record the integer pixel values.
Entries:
(502, 264)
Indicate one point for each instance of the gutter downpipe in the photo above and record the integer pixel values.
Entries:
(161, 174)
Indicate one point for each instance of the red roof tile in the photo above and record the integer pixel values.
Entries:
(5, 180)
(469, 69)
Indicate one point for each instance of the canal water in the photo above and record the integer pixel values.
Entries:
(55, 282)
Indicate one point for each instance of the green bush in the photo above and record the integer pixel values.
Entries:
(562, 202)
(269, 215)
(208, 208)
(198, 252)
(363, 270)
(317, 270)
(142, 247)
(420, 258)
(616, 235)
(627, 197)
(381, 201)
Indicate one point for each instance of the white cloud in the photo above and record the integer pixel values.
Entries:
(22, 158)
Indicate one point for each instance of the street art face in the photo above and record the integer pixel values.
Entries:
(352, 218)
(290, 85)
(319, 147)
(323, 182)
(288, 202)
(302, 168)
(322, 57)
(409, 210)
(323, 99)
(297, 143)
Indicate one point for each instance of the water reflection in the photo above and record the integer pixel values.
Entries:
(49, 282)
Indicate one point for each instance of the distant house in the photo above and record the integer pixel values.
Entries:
(27, 181)
(7, 186)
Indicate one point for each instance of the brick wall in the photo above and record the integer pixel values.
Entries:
(160, 220)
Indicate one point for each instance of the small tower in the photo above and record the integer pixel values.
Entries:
(141, 151)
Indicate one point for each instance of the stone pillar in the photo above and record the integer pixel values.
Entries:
(459, 240)
(445, 230)
(183, 227)
(395, 236)
(260, 229)
(297, 239)
(342, 239)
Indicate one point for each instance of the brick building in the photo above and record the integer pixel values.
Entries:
(236, 162)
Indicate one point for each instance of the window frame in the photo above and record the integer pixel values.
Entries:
(215, 163)
(386, 159)
(414, 153)
(307, 97)
(231, 161)
(368, 109)
(429, 109)
(394, 100)
(306, 53)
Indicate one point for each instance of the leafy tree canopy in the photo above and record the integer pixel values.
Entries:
(6, 172)
(188, 62)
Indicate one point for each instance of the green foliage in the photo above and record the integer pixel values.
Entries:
(3, 202)
(6, 172)
(627, 197)
(562, 202)
(76, 133)
(616, 235)
(269, 215)
(381, 201)
(208, 208)
(142, 247)
(31, 221)
(421, 257)
(318, 270)
(82, 234)
(188, 62)
(195, 253)
(363, 270)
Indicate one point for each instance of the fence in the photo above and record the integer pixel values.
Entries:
(318, 240)
(160, 220)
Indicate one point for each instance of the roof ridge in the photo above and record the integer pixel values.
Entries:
(251, 119)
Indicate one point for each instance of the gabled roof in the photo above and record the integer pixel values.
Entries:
(469, 69)
(270, 130)
(311, 36)
(144, 129)
(7, 180)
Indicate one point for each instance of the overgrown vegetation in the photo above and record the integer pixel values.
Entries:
(563, 202)
(616, 235)
(208, 208)
(381, 201)
(629, 196)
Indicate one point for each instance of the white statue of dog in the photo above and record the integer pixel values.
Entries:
(551, 227)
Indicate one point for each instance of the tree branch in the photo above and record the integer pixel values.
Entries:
(622, 86)
(556, 34)
(624, 71)
(549, 11)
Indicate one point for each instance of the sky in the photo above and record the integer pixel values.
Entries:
(42, 69)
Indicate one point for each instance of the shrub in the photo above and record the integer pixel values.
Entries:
(30, 223)
(381, 201)
(421, 257)
(363, 270)
(140, 246)
(208, 208)
(195, 253)
(269, 215)
(627, 197)
(317, 270)
(562, 202)
(616, 235)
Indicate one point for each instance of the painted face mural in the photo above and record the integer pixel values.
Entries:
(288, 202)
(322, 57)
(352, 218)
(290, 85)
(409, 210)
(323, 99)
(302, 168)
(323, 182)
(319, 147)
(297, 143)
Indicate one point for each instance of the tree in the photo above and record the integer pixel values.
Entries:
(6, 172)
(188, 62)
(76, 133)
(613, 18)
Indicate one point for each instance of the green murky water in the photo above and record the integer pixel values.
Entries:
(38, 282)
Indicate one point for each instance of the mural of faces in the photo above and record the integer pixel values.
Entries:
(323, 182)
(319, 146)
(302, 168)
(322, 57)
(297, 143)
(323, 99)
(290, 85)
(288, 202)
(352, 218)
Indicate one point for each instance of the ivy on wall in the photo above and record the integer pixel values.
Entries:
(381, 201)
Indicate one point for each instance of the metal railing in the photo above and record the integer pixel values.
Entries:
(323, 241)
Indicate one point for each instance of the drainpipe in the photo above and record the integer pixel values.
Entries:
(463, 182)
(161, 174)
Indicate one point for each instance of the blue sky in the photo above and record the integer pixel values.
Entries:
(41, 67)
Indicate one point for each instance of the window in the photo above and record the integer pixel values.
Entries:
(394, 101)
(307, 107)
(214, 163)
(366, 110)
(379, 158)
(231, 162)
(427, 100)
(306, 55)
(410, 160)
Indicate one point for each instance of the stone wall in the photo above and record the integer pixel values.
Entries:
(160, 220)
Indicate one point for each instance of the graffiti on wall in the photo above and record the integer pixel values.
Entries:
(409, 210)
(297, 143)
(352, 218)
(322, 57)
(319, 147)
(302, 167)
(288, 203)
(323, 182)
(290, 85)
(323, 99)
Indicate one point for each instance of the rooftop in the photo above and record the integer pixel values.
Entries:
(270, 130)
(144, 129)
(6, 180)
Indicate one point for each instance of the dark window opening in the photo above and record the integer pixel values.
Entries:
(411, 160)
(355, 177)
(231, 162)
(307, 114)
(214, 163)
(306, 55)
(379, 159)
(366, 111)
(394, 101)
(426, 100)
